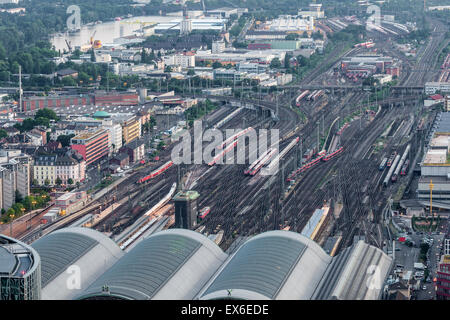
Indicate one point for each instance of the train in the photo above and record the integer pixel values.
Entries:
(345, 126)
(234, 137)
(391, 159)
(203, 213)
(391, 170)
(270, 166)
(222, 153)
(383, 164)
(317, 95)
(404, 168)
(400, 164)
(308, 165)
(368, 44)
(300, 97)
(156, 172)
(314, 95)
(333, 154)
(260, 162)
(309, 154)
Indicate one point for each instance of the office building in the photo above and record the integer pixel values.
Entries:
(91, 145)
(443, 279)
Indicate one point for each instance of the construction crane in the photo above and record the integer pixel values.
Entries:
(96, 44)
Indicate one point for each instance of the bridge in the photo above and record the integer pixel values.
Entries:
(347, 88)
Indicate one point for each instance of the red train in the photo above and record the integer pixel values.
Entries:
(307, 165)
(342, 129)
(404, 168)
(203, 213)
(156, 172)
(333, 154)
(222, 154)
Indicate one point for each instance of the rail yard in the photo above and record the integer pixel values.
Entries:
(335, 147)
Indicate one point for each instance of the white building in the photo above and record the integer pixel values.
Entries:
(383, 78)
(218, 46)
(115, 134)
(432, 87)
(291, 23)
(183, 60)
(315, 10)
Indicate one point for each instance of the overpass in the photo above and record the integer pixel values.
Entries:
(347, 88)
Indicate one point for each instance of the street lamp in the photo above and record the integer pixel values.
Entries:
(10, 230)
(29, 220)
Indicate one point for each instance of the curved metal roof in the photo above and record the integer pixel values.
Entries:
(146, 272)
(358, 273)
(101, 114)
(60, 249)
(273, 265)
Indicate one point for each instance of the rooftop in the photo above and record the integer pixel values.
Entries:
(88, 135)
(16, 258)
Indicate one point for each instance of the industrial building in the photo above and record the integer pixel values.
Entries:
(20, 270)
(435, 165)
(71, 252)
(172, 264)
(180, 264)
(369, 64)
(433, 87)
(287, 23)
(289, 266)
(99, 99)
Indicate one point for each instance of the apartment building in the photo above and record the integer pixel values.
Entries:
(14, 175)
(91, 145)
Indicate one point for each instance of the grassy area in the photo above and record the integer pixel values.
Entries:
(399, 195)
(425, 224)
(104, 183)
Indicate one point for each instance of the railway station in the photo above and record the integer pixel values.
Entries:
(184, 265)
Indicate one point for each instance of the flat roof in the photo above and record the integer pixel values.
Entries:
(439, 141)
(436, 156)
(87, 135)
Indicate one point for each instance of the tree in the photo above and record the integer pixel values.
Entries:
(275, 63)
(3, 134)
(69, 82)
(46, 113)
(10, 212)
(19, 197)
(58, 181)
(46, 182)
(292, 36)
(70, 181)
(65, 139)
(216, 65)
